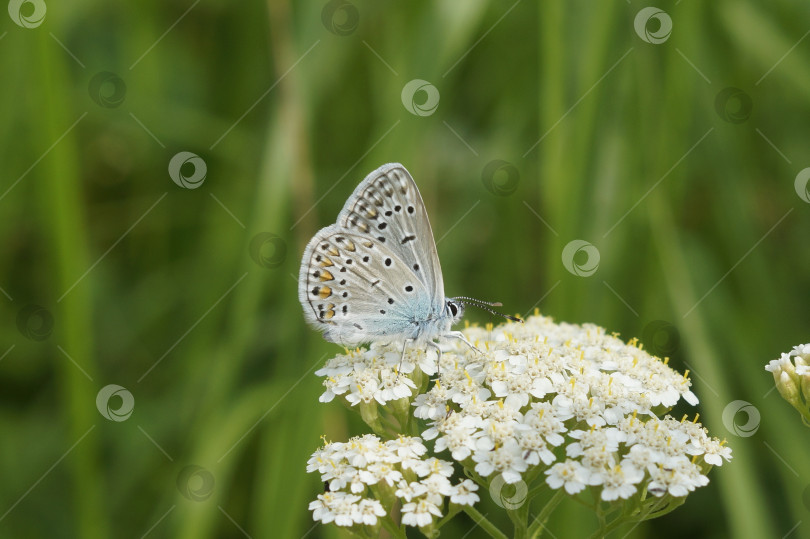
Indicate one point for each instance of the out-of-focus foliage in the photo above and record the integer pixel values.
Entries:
(675, 160)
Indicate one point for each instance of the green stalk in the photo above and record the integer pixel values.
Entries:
(741, 496)
(58, 180)
(519, 519)
(483, 523)
(537, 527)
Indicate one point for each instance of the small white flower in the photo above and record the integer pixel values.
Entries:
(802, 350)
(570, 474)
(438, 486)
(419, 513)
(406, 447)
(715, 452)
(620, 481)
(431, 405)
(677, 478)
(368, 511)
(337, 507)
(432, 466)
(783, 363)
(381, 471)
(409, 491)
(506, 460)
(465, 493)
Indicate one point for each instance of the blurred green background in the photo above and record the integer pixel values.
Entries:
(186, 298)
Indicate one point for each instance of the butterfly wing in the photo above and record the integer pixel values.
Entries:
(386, 207)
(355, 288)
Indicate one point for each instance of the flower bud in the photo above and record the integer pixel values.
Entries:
(789, 389)
(371, 416)
(805, 383)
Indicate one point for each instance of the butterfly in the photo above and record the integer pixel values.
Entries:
(375, 274)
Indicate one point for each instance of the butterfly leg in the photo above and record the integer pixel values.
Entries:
(460, 336)
(402, 357)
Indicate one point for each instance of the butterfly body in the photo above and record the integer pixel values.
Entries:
(375, 273)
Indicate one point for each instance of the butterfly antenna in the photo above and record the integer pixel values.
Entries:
(487, 306)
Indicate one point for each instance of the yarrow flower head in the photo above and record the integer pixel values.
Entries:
(791, 374)
(567, 405)
(361, 472)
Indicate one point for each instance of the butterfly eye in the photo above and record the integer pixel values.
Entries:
(453, 309)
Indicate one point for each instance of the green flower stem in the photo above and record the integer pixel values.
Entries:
(453, 511)
(393, 529)
(483, 523)
(371, 417)
(539, 523)
(804, 411)
(519, 518)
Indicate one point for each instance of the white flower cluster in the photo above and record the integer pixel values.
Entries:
(797, 362)
(368, 375)
(791, 373)
(579, 401)
(365, 470)
(571, 402)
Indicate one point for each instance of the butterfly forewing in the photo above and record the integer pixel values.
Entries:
(355, 288)
(387, 208)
